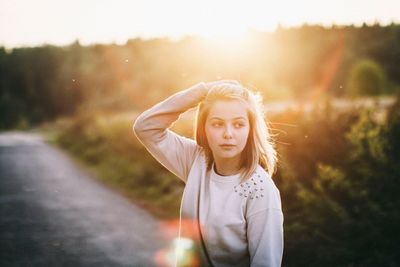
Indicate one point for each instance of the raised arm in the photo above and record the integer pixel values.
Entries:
(173, 151)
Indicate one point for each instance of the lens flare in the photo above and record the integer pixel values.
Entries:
(181, 250)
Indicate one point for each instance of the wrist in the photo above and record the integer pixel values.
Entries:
(200, 88)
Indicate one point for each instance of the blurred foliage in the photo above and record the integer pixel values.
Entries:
(42, 83)
(339, 181)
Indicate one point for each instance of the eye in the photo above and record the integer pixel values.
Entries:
(216, 124)
(239, 124)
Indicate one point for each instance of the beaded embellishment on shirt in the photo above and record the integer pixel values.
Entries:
(252, 188)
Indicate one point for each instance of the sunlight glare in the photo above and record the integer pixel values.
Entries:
(227, 41)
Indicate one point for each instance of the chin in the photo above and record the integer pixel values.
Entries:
(228, 155)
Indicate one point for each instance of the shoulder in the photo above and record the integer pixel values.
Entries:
(266, 180)
(262, 192)
(200, 158)
(201, 154)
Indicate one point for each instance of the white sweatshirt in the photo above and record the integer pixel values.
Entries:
(231, 224)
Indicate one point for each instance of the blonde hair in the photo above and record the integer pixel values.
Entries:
(259, 147)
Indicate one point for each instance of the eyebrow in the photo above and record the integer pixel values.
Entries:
(237, 118)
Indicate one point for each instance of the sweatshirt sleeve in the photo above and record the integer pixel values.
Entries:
(265, 224)
(265, 237)
(173, 151)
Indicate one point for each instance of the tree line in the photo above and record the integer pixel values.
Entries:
(41, 83)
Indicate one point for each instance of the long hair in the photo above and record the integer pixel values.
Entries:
(259, 148)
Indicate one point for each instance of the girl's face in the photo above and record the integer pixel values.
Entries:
(227, 129)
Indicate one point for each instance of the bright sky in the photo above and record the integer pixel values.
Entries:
(61, 22)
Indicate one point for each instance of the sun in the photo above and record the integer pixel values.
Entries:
(229, 40)
(227, 24)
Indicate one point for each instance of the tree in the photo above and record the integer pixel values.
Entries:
(366, 78)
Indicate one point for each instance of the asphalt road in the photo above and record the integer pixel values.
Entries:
(54, 214)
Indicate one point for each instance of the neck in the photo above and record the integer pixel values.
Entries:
(227, 166)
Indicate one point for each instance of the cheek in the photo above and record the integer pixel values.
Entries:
(244, 135)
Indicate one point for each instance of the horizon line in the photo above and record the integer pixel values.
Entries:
(180, 37)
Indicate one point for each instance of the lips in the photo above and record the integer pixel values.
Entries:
(227, 146)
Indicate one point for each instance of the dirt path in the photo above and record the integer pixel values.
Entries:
(54, 214)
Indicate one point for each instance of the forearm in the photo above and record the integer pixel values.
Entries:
(173, 151)
(159, 117)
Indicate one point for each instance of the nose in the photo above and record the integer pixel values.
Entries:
(228, 132)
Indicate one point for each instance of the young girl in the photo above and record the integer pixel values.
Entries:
(231, 209)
